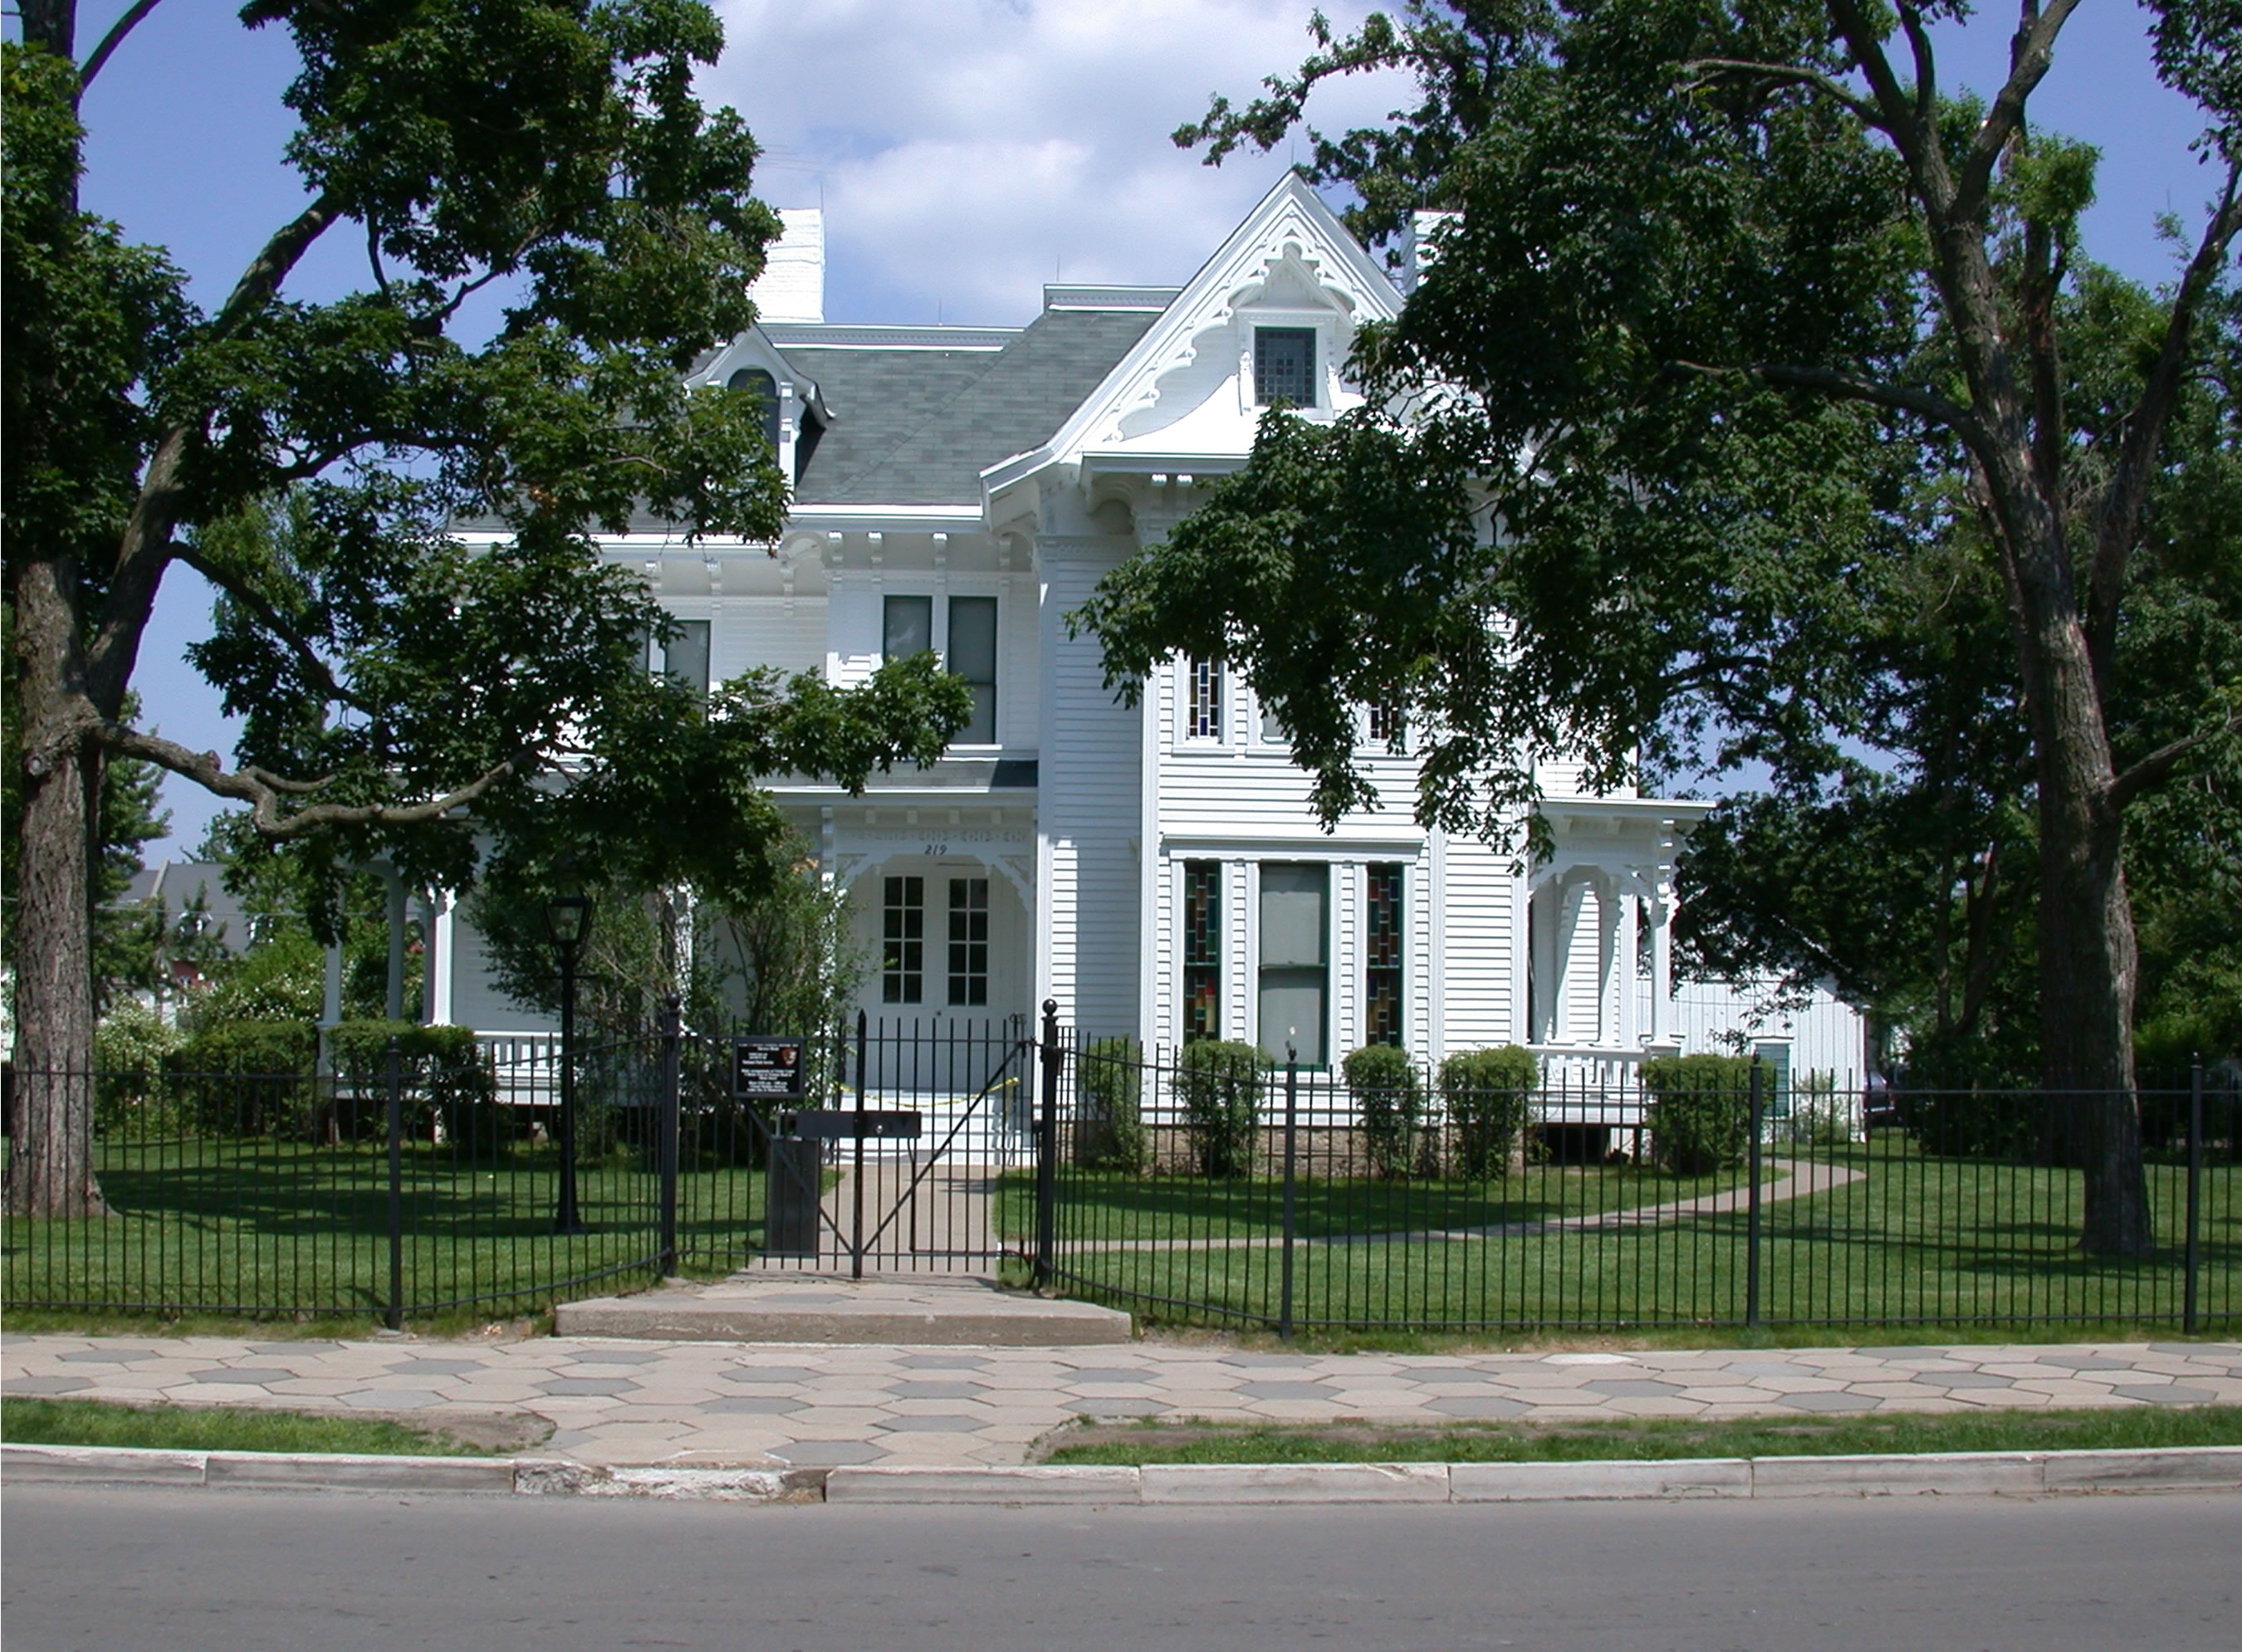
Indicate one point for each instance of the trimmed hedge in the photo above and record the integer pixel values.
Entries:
(1700, 1112)
(1389, 1099)
(262, 1048)
(1489, 1097)
(1220, 1083)
(444, 1074)
(1110, 1134)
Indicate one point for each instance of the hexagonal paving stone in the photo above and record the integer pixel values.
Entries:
(1285, 1391)
(1965, 1379)
(253, 1375)
(2174, 1394)
(771, 1374)
(749, 1405)
(1098, 1375)
(612, 1356)
(392, 1399)
(1831, 1401)
(1266, 1362)
(2084, 1362)
(589, 1385)
(109, 1357)
(1479, 1405)
(1116, 1407)
(48, 1385)
(436, 1368)
(935, 1425)
(296, 1348)
(1633, 1387)
(828, 1453)
(943, 1362)
(936, 1390)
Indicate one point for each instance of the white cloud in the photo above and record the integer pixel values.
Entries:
(966, 151)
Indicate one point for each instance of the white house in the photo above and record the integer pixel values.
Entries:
(1155, 870)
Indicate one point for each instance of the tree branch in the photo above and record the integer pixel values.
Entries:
(1717, 69)
(265, 793)
(2029, 60)
(2153, 770)
(1899, 397)
(271, 618)
(2120, 516)
(1926, 65)
(111, 41)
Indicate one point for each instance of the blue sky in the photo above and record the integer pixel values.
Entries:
(964, 152)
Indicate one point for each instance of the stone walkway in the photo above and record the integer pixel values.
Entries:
(709, 1404)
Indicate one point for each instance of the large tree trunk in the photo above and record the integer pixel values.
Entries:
(2087, 951)
(50, 1157)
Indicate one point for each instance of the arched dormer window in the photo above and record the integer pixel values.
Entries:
(760, 384)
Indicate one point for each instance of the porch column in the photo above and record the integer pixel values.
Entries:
(1661, 967)
(439, 951)
(1627, 938)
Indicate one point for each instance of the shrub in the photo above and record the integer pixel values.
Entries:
(1489, 1097)
(1220, 1085)
(1108, 1132)
(1700, 1112)
(246, 1077)
(1389, 1099)
(131, 1046)
(445, 1079)
(1965, 1124)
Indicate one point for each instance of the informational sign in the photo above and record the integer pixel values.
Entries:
(768, 1069)
(841, 1124)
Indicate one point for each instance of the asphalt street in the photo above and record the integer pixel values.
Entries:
(96, 1570)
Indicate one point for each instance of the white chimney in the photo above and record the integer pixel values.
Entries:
(792, 285)
(1418, 248)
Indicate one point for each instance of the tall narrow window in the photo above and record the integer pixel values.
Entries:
(969, 940)
(906, 626)
(764, 389)
(1285, 367)
(1202, 950)
(1203, 716)
(685, 655)
(973, 656)
(1386, 724)
(1381, 987)
(1295, 977)
(903, 941)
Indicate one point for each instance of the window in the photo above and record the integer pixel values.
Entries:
(1386, 724)
(1382, 993)
(764, 389)
(1202, 950)
(969, 940)
(685, 656)
(973, 656)
(1285, 367)
(907, 627)
(1294, 978)
(1202, 715)
(903, 941)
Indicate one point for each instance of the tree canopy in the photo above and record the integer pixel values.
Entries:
(405, 698)
(1646, 464)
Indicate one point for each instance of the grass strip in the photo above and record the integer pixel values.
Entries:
(1648, 1438)
(27, 1421)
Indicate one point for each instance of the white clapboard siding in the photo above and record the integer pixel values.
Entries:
(1825, 1035)
(1477, 916)
(476, 999)
(756, 632)
(1088, 807)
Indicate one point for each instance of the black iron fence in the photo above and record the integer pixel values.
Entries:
(1204, 1185)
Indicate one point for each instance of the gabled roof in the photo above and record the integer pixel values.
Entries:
(917, 424)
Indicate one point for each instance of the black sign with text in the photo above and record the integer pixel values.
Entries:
(767, 1068)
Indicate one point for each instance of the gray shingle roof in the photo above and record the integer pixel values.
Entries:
(919, 426)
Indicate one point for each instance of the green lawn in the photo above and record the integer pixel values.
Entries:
(1917, 1240)
(1662, 1439)
(251, 1226)
(100, 1422)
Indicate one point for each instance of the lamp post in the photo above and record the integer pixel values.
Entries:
(569, 921)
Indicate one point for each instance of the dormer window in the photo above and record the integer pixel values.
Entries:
(764, 388)
(1285, 367)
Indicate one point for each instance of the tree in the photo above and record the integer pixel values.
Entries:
(1638, 457)
(544, 157)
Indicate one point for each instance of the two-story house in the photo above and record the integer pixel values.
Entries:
(1154, 869)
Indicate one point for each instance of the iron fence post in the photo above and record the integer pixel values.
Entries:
(395, 1317)
(1047, 1153)
(1751, 1200)
(1292, 1139)
(857, 1174)
(666, 1138)
(2194, 1195)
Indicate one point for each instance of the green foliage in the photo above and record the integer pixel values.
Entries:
(1108, 1132)
(133, 1049)
(1389, 1098)
(1488, 1096)
(441, 1070)
(1700, 1112)
(246, 1047)
(1220, 1083)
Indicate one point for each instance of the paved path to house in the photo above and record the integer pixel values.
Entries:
(705, 1403)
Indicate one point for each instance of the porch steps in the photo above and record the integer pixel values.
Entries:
(781, 1307)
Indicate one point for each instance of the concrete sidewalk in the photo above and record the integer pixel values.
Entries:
(773, 1405)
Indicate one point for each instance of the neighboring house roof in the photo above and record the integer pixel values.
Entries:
(178, 883)
(918, 425)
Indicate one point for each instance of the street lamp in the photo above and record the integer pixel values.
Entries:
(569, 921)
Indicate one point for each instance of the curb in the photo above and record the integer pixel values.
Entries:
(2011, 1473)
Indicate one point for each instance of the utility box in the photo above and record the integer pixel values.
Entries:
(793, 1197)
